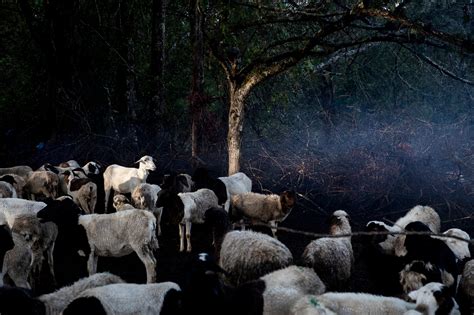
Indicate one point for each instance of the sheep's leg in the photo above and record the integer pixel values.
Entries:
(92, 204)
(274, 226)
(181, 237)
(83, 204)
(49, 253)
(107, 195)
(146, 256)
(188, 236)
(92, 263)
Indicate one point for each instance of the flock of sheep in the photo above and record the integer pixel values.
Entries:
(248, 272)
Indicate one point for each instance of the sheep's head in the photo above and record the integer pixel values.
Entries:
(120, 200)
(339, 222)
(287, 200)
(92, 168)
(418, 273)
(28, 226)
(173, 207)
(376, 226)
(61, 212)
(147, 163)
(434, 297)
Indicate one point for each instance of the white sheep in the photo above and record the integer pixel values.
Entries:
(42, 182)
(7, 190)
(332, 258)
(110, 235)
(393, 244)
(53, 303)
(70, 164)
(263, 208)
(458, 247)
(185, 209)
(21, 170)
(434, 298)
(124, 179)
(10, 208)
(349, 303)
(466, 288)
(126, 298)
(247, 255)
(238, 183)
(144, 197)
(83, 191)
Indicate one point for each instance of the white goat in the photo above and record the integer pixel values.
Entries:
(124, 179)
(186, 209)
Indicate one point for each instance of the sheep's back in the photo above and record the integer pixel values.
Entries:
(331, 258)
(257, 206)
(247, 255)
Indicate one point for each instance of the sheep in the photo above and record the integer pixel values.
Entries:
(434, 299)
(466, 288)
(430, 250)
(43, 237)
(393, 245)
(263, 208)
(185, 209)
(17, 263)
(248, 255)
(7, 190)
(92, 168)
(332, 258)
(238, 183)
(17, 182)
(125, 179)
(144, 197)
(112, 235)
(42, 182)
(458, 247)
(245, 255)
(69, 164)
(121, 202)
(19, 301)
(349, 303)
(202, 179)
(22, 170)
(273, 293)
(128, 298)
(83, 192)
(177, 182)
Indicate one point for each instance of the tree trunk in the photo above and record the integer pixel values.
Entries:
(158, 37)
(197, 100)
(237, 96)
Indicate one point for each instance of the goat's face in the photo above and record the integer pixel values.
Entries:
(147, 162)
(288, 199)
